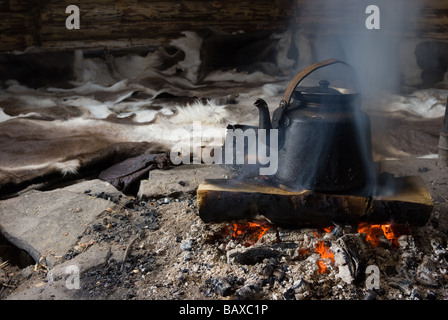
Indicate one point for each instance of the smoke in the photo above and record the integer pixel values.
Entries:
(368, 35)
(342, 32)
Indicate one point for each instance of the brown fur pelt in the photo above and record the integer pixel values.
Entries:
(123, 107)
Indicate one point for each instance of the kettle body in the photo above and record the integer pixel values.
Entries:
(324, 138)
(324, 149)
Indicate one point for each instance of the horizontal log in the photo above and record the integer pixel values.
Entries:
(16, 5)
(175, 12)
(119, 43)
(156, 19)
(410, 18)
(15, 43)
(105, 21)
(225, 200)
(21, 5)
(15, 23)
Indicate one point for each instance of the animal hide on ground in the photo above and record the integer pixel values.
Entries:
(126, 107)
(51, 132)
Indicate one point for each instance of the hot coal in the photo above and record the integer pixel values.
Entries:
(251, 256)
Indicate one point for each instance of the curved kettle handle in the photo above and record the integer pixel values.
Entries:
(298, 78)
(284, 103)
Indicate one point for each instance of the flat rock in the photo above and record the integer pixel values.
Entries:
(409, 167)
(49, 223)
(183, 179)
(95, 186)
(58, 284)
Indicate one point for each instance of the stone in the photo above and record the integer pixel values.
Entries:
(248, 292)
(48, 223)
(94, 187)
(222, 287)
(58, 278)
(183, 179)
(427, 274)
(187, 245)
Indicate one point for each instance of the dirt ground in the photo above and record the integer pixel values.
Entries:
(161, 249)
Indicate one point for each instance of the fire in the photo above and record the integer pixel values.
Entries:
(328, 229)
(325, 252)
(250, 232)
(375, 231)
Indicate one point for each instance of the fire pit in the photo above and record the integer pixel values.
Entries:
(325, 169)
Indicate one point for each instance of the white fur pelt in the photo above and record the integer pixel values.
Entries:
(64, 130)
(129, 105)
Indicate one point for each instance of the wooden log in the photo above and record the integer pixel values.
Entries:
(139, 22)
(142, 22)
(134, 21)
(225, 200)
(408, 18)
(16, 30)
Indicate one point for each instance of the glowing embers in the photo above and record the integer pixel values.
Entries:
(378, 234)
(326, 255)
(248, 233)
(315, 249)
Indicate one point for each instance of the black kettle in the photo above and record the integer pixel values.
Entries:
(324, 138)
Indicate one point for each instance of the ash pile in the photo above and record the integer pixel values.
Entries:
(256, 260)
(156, 246)
(336, 263)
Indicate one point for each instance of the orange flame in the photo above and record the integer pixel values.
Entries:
(328, 229)
(250, 232)
(375, 231)
(324, 251)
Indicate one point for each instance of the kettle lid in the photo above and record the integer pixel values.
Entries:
(322, 89)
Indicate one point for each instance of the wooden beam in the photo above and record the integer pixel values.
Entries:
(141, 22)
(405, 200)
(144, 22)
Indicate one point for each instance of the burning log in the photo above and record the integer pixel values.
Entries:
(226, 200)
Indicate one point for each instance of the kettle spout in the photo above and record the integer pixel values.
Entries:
(264, 121)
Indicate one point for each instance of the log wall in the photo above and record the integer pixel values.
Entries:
(127, 23)
(134, 22)
(409, 18)
(19, 27)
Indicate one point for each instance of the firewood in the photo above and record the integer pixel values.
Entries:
(225, 200)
